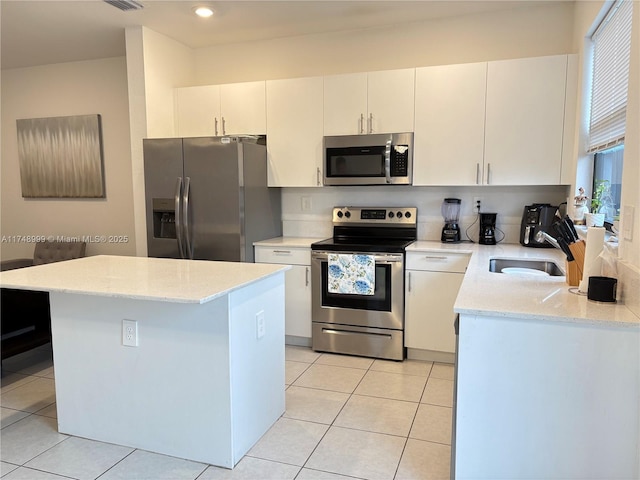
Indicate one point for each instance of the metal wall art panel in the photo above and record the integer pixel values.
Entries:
(61, 157)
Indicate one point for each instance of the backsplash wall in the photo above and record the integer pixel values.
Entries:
(507, 202)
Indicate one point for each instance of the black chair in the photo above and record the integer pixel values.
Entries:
(24, 314)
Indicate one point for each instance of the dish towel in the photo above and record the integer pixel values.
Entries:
(352, 274)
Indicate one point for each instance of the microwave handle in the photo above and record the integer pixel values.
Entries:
(387, 161)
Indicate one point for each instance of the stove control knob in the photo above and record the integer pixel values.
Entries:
(339, 214)
(407, 214)
(399, 214)
(347, 214)
(391, 214)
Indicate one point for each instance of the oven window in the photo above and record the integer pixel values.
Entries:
(355, 162)
(379, 301)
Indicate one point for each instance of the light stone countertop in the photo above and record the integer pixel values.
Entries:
(521, 296)
(141, 278)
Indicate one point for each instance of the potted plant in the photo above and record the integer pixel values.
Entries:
(600, 204)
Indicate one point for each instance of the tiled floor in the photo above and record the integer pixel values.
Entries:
(346, 418)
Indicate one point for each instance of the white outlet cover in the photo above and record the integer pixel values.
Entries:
(627, 222)
(129, 333)
(260, 327)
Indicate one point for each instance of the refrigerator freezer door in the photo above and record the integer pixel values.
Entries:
(215, 199)
(163, 167)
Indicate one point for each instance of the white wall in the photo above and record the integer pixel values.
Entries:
(77, 88)
(544, 29)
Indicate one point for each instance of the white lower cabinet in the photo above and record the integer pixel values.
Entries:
(297, 287)
(432, 281)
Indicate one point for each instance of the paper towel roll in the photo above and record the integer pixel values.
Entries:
(592, 260)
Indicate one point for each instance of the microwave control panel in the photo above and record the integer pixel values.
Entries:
(399, 161)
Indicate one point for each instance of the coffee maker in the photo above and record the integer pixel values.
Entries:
(451, 213)
(538, 217)
(487, 229)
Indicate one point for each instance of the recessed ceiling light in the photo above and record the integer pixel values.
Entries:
(203, 12)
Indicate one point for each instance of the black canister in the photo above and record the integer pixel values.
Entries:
(602, 289)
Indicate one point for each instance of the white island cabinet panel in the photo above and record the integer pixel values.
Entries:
(449, 133)
(295, 132)
(546, 399)
(524, 121)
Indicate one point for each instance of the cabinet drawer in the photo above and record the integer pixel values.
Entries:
(437, 262)
(283, 255)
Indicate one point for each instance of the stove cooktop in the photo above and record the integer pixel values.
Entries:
(365, 245)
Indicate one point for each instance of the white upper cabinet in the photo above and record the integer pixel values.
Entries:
(294, 132)
(197, 109)
(524, 121)
(229, 109)
(374, 102)
(449, 124)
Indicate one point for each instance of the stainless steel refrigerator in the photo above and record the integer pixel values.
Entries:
(207, 197)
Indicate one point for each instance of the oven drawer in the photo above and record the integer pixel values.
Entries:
(283, 255)
(364, 341)
(437, 261)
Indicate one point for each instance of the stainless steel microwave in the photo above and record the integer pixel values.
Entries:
(377, 159)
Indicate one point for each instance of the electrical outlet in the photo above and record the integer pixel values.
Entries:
(260, 326)
(306, 203)
(130, 333)
(477, 202)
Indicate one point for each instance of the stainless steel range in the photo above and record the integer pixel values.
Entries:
(358, 282)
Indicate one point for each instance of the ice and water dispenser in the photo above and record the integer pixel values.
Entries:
(164, 218)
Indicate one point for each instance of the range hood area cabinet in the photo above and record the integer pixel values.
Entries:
(374, 102)
(519, 133)
(217, 110)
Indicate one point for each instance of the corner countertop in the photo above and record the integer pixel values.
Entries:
(141, 278)
(521, 296)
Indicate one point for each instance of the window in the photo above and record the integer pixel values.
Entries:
(610, 80)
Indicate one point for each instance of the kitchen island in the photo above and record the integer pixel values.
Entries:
(547, 381)
(204, 377)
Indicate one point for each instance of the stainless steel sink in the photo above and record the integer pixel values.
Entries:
(520, 266)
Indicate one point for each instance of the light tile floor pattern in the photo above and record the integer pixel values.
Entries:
(346, 418)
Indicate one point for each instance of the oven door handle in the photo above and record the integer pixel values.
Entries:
(377, 257)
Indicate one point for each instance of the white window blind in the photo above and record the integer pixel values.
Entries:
(611, 51)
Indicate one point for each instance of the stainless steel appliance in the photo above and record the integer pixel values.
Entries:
(538, 217)
(207, 197)
(363, 324)
(378, 159)
(450, 210)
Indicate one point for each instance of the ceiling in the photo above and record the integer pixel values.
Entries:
(38, 32)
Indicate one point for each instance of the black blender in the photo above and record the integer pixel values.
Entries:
(451, 214)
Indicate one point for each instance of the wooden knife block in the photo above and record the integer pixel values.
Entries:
(576, 266)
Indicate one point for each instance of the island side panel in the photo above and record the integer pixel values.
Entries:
(548, 400)
(170, 394)
(257, 360)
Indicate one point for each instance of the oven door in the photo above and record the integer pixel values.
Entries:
(383, 309)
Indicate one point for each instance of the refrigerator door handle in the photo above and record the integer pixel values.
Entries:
(185, 215)
(177, 199)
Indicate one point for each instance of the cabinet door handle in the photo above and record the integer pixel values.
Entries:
(216, 125)
(306, 276)
(282, 252)
(431, 257)
(224, 127)
(371, 123)
(318, 176)
(362, 123)
(408, 281)
(477, 173)
(488, 172)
